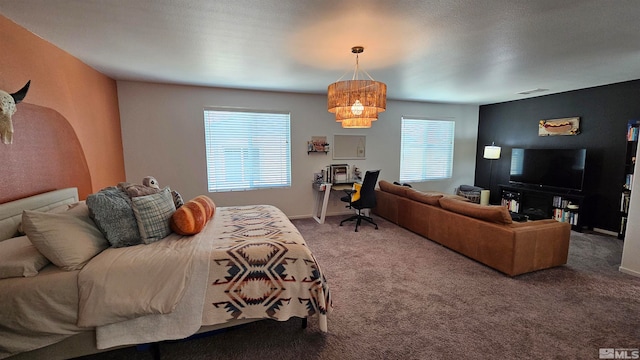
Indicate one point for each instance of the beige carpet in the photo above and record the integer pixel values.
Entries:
(400, 296)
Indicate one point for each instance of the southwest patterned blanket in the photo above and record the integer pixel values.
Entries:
(260, 268)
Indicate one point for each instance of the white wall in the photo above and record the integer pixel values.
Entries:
(631, 250)
(163, 136)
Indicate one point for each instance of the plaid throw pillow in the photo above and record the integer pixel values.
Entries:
(152, 214)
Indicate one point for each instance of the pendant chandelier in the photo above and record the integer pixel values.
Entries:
(356, 102)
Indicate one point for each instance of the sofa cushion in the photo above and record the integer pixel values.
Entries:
(392, 188)
(493, 213)
(427, 197)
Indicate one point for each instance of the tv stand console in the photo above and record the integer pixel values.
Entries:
(538, 203)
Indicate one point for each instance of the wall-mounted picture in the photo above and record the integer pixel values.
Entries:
(564, 126)
(349, 146)
(318, 143)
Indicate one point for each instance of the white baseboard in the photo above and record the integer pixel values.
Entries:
(340, 213)
(606, 232)
(296, 217)
(629, 271)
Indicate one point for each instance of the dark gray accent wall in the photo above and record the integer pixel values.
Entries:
(604, 112)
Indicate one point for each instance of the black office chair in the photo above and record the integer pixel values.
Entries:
(367, 199)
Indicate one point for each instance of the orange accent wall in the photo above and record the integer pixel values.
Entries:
(55, 161)
(85, 97)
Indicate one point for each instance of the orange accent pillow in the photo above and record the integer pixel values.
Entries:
(192, 217)
(205, 200)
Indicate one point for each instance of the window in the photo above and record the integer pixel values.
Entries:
(246, 149)
(426, 150)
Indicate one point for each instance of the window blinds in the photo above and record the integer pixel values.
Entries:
(247, 149)
(426, 149)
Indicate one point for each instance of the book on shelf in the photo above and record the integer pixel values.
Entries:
(560, 202)
(623, 225)
(565, 215)
(628, 181)
(512, 205)
(632, 133)
(624, 202)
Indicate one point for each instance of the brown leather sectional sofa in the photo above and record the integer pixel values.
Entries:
(484, 233)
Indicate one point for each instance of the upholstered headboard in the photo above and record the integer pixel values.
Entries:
(45, 155)
(11, 212)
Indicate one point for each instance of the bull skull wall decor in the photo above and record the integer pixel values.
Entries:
(7, 109)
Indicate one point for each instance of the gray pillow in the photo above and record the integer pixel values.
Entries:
(110, 208)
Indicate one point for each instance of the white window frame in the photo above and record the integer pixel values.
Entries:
(247, 149)
(426, 152)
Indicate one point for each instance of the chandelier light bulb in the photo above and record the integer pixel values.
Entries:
(357, 108)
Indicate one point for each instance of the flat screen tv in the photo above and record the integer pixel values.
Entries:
(548, 168)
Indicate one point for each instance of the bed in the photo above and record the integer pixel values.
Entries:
(248, 263)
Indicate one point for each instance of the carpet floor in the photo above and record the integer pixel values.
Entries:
(397, 295)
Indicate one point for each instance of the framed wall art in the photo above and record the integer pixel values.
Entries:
(564, 126)
(349, 147)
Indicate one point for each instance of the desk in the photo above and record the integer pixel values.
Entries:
(326, 189)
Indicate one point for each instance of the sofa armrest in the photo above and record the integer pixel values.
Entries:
(540, 246)
(387, 205)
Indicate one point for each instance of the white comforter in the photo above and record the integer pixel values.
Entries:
(124, 283)
(124, 292)
(249, 262)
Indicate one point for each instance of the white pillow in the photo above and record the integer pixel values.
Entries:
(69, 240)
(58, 209)
(18, 257)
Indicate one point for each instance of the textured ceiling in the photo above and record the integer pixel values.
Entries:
(475, 52)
